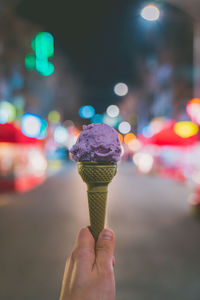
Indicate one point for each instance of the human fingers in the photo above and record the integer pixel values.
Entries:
(84, 252)
(105, 250)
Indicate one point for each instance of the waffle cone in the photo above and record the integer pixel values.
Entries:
(97, 176)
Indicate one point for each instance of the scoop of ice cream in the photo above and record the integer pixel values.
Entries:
(97, 142)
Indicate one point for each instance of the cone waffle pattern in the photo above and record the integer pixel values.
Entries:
(97, 176)
(97, 209)
(97, 173)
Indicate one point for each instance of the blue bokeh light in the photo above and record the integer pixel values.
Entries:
(86, 112)
(31, 125)
(97, 118)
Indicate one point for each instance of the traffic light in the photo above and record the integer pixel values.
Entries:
(43, 46)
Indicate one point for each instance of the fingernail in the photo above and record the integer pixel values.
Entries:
(107, 235)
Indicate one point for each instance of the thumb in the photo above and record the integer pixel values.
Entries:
(105, 250)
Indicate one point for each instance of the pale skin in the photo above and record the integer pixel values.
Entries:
(89, 273)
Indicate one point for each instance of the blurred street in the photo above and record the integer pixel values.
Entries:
(158, 242)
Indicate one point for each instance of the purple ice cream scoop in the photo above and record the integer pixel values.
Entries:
(97, 142)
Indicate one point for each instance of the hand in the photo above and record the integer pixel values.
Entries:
(89, 271)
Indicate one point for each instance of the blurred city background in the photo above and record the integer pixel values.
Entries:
(134, 65)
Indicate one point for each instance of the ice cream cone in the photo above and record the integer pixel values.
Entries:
(97, 176)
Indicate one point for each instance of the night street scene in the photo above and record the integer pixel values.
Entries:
(98, 95)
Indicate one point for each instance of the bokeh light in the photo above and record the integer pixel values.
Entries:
(157, 124)
(121, 89)
(124, 127)
(44, 67)
(129, 137)
(31, 125)
(150, 12)
(68, 123)
(54, 116)
(134, 145)
(43, 45)
(86, 112)
(97, 118)
(186, 129)
(144, 161)
(147, 131)
(61, 135)
(37, 162)
(112, 111)
(111, 121)
(7, 112)
(193, 110)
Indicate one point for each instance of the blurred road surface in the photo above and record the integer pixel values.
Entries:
(158, 242)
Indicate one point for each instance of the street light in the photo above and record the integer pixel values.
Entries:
(150, 12)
